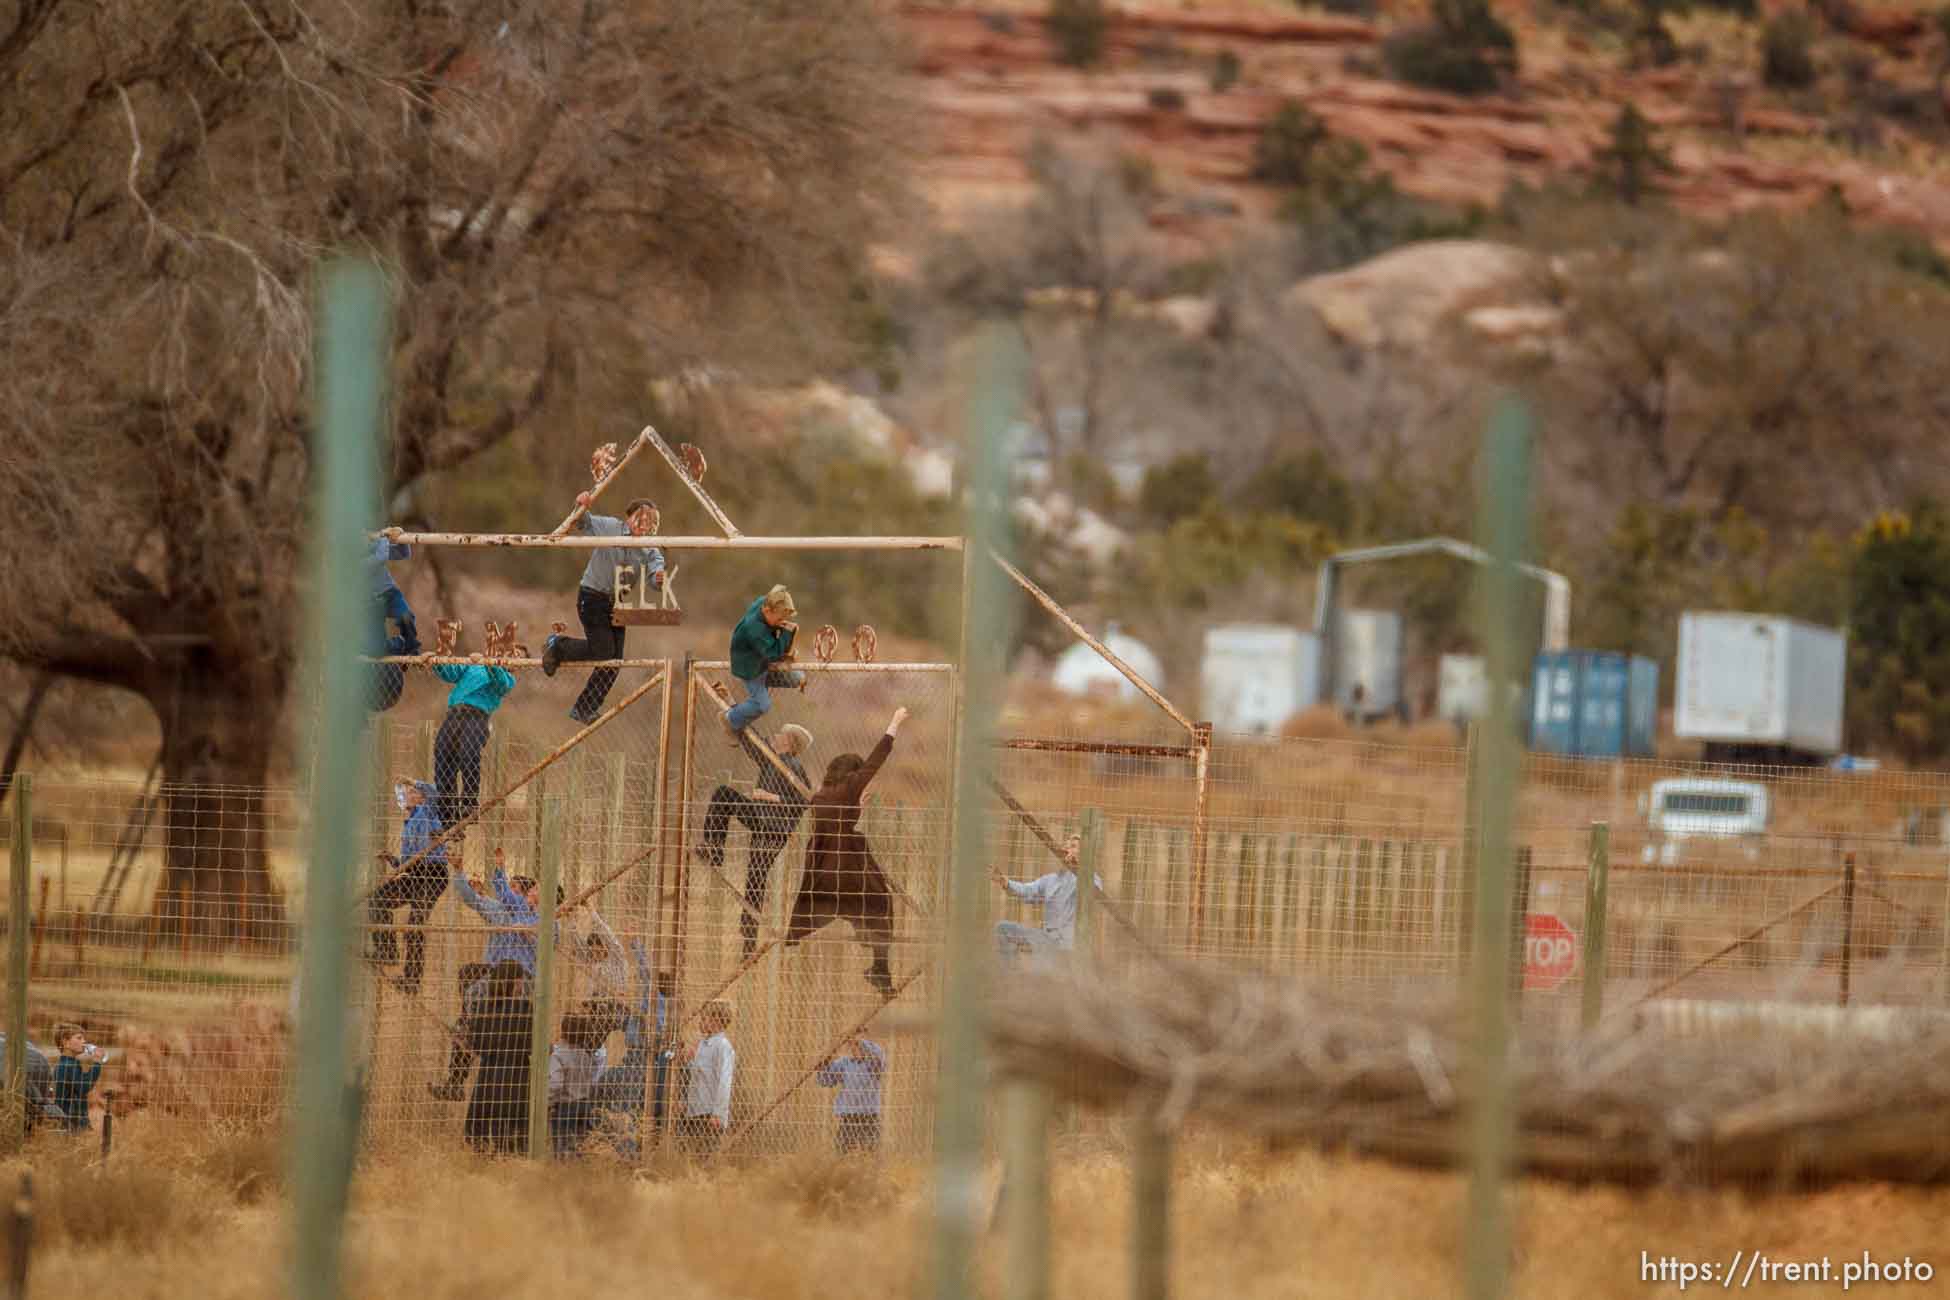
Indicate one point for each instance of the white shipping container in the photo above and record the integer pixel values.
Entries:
(1368, 654)
(1757, 679)
(1254, 676)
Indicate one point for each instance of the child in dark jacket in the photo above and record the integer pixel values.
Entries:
(75, 1074)
(418, 887)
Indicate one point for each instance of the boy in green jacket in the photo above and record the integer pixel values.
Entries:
(761, 641)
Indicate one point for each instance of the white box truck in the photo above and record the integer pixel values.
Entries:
(1757, 688)
(1255, 676)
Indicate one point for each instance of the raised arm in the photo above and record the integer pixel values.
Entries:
(503, 890)
(856, 784)
(875, 1056)
(490, 910)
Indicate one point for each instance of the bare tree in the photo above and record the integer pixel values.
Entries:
(1781, 366)
(554, 186)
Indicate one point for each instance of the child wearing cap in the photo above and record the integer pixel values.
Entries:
(760, 642)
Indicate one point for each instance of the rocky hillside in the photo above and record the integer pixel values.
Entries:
(994, 82)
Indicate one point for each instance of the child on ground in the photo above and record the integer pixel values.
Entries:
(707, 1093)
(478, 691)
(596, 600)
(498, 1032)
(1057, 892)
(512, 910)
(75, 1074)
(575, 1063)
(621, 1086)
(418, 887)
(760, 642)
(856, 1070)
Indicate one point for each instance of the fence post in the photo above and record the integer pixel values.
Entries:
(21, 868)
(1025, 1138)
(1201, 831)
(542, 1036)
(351, 341)
(988, 614)
(1150, 1210)
(1503, 530)
(1519, 915)
(1091, 828)
(1848, 920)
(1597, 889)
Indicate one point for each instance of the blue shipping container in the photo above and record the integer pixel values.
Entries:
(1594, 704)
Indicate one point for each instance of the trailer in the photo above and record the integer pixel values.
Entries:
(1760, 689)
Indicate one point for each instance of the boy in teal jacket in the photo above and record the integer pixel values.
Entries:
(761, 641)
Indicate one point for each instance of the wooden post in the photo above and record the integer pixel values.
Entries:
(1848, 920)
(542, 1038)
(20, 1236)
(21, 870)
(1201, 793)
(1150, 1210)
(1597, 890)
(1091, 829)
(1025, 1138)
(40, 931)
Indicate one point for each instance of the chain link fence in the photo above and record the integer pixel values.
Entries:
(165, 920)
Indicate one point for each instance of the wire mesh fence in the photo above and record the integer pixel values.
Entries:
(164, 918)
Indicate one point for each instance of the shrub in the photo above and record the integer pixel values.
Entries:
(1285, 151)
(1787, 50)
(1465, 50)
(1078, 28)
(1225, 71)
(1628, 166)
(1177, 489)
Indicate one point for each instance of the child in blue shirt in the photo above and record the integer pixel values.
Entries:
(418, 887)
(74, 1080)
(856, 1070)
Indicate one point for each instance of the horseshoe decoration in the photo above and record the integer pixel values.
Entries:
(602, 461)
(447, 636)
(694, 463)
(864, 641)
(825, 643)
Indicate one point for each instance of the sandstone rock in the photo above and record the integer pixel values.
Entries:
(1398, 300)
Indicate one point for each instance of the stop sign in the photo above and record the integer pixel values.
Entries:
(1550, 952)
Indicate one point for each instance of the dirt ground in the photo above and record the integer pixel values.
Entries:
(174, 1215)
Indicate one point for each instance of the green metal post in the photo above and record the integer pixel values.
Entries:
(1597, 889)
(1025, 1211)
(1503, 529)
(352, 341)
(21, 876)
(542, 1037)
(988, 617)
(1150, 1210)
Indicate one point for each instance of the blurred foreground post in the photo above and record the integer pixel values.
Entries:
(541, 1037)
(1025, 1154)
(1503, 530)
(352, 338)
(1597, 890)
(21, 870)
(1150, 1209)
(988, 617)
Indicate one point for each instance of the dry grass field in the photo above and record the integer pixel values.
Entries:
(172, 1215)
